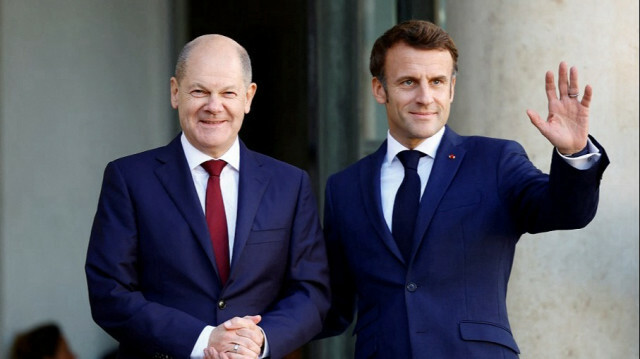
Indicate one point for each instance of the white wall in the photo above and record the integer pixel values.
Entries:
(573, 294)
(83, 82)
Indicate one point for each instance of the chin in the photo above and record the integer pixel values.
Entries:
(425, 134)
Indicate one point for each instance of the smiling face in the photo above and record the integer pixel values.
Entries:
(419, 92)
(212, 96)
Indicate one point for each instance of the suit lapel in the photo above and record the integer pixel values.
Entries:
(175, 176)
(445, 166)
(370, 193)
(251, 187)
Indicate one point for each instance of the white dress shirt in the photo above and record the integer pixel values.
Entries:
(229, 178)
(392, 170)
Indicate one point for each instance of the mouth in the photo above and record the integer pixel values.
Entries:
(423, 114)
(212, 122)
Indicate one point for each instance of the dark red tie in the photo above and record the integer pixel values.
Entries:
(216, 218)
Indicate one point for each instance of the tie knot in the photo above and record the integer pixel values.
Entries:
(214, 167)
(410, 158)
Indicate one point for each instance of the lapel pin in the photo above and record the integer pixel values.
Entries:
(452, 156)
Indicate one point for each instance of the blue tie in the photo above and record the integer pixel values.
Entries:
(405, 207)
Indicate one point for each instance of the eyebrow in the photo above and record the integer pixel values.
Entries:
(226, 88)
(442, 78)
(196, 85)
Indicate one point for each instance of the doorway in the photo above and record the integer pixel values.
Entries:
(277, 40)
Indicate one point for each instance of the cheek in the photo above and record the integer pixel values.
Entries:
(398, 102)
(237, 109)
(184, 117)
(444, 98)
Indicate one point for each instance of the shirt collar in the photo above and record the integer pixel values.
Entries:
(429, 146)
(195, 157)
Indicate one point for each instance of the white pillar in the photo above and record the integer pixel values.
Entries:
(572, 293)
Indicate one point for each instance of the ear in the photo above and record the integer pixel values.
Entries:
(251, 91)
(452, 90)
(174, 92)
(378, 91)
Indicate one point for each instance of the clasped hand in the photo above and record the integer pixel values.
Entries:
(567, 125)
(236, 338)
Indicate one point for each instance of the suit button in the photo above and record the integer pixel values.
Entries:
(411, 287)
(222, 304)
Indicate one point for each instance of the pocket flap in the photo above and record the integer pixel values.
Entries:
(488, 332)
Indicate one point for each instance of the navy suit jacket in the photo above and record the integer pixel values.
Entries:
(449, 299)
(151, 272)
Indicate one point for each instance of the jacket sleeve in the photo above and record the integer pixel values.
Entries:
(567, 198)
(343, 301)
(299, 313)
(115, 293)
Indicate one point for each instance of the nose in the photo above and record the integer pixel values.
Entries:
(214, 104)
(424, 94)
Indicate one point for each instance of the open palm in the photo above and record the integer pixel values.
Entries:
(567, 124)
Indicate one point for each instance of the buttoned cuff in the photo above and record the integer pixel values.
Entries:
(584, 161)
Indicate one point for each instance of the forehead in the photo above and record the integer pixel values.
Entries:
(404, 60)
(209, 62)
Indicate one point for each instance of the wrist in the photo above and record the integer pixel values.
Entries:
(575, 153)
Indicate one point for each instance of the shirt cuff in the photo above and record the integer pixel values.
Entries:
(265, 351)
(202, 343)
(585, 161)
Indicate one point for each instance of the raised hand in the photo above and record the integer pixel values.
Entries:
(567, 124)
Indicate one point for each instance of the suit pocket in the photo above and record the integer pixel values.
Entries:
(459, 200)
(267, 236)
(488, 332)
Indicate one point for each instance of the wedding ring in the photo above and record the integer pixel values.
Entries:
(235, 348)
(574, 96)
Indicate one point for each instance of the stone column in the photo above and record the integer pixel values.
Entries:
(572, 293)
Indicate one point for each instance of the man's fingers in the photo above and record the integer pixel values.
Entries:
(253, 334)
(586, 98)
(550, 86)
(254, 318)
(248, 321)
(535, 119)
(252, 339)
(245, 345)
(211, 353)
(563, 80)
(220, 335)
(574, 88)
(237, 323)
(237, 337)
(236, 350)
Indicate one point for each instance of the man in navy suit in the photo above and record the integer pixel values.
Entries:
(154, 278)
(431, 282)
